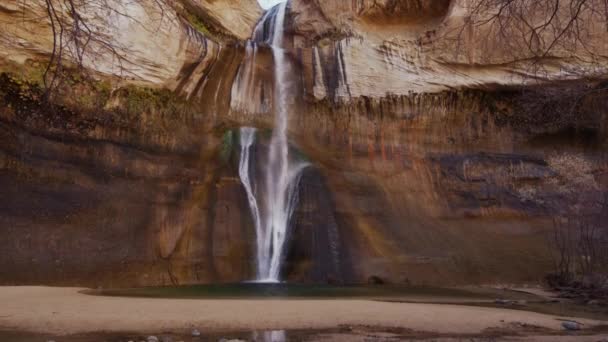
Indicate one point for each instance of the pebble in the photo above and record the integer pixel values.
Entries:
(195, 332)
(569, 325)
(152, 339)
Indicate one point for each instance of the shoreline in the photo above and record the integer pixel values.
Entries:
(341, 334)
(66, 311)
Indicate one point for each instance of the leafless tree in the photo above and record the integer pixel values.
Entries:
(537, 28)
(80, 36)
(580, 245)
(541, 39)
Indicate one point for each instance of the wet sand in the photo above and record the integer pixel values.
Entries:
(66, 311)
(357, 335)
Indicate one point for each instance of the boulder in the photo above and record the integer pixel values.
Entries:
(571, 325)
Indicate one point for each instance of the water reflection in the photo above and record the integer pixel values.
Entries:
(270, 336)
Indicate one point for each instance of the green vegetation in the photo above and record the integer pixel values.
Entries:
(204, 25)
(134, 100)
(18, 94)
(197, 23)
(82, 104)
(299, 155)
(76, 90)
(227, 145)
(31, 72)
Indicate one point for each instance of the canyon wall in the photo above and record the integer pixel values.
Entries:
(427, 165)
(145, 42)
(379, 48)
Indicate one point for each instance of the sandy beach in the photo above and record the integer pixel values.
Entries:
(65, 311)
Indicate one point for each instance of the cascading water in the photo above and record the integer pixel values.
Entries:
(247, 137)
(272, 212)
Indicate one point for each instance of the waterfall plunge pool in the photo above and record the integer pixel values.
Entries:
(255, 290)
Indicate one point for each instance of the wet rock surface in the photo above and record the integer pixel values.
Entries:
(441, 196)
(415, 179)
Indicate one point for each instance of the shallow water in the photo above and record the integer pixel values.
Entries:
(341, 334)
(295, 291)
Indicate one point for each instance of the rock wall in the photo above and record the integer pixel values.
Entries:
(120, 198)
(442, 191)
(236, 17)
(426, 169)
(145, 42)
(378, 48)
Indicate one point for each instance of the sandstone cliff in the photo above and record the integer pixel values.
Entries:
(431, 166)
(148, 42)
(236, 17)
(376, 48)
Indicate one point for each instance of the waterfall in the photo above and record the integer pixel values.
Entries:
(247, 138)
(248, 89)
(243, 89)
(272, 212)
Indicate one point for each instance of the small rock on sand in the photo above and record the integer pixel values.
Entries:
(569, 325)
(195, 332)
(152, 339)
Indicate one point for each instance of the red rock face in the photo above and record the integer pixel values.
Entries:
(400, 11)
(446, 188)
(436, 190)
(312, 18)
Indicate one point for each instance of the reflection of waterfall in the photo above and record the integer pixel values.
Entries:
(270, 336)
(272, 213)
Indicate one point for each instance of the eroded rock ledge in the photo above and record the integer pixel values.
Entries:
(146, 42)
(429, 165)
(373, 49)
